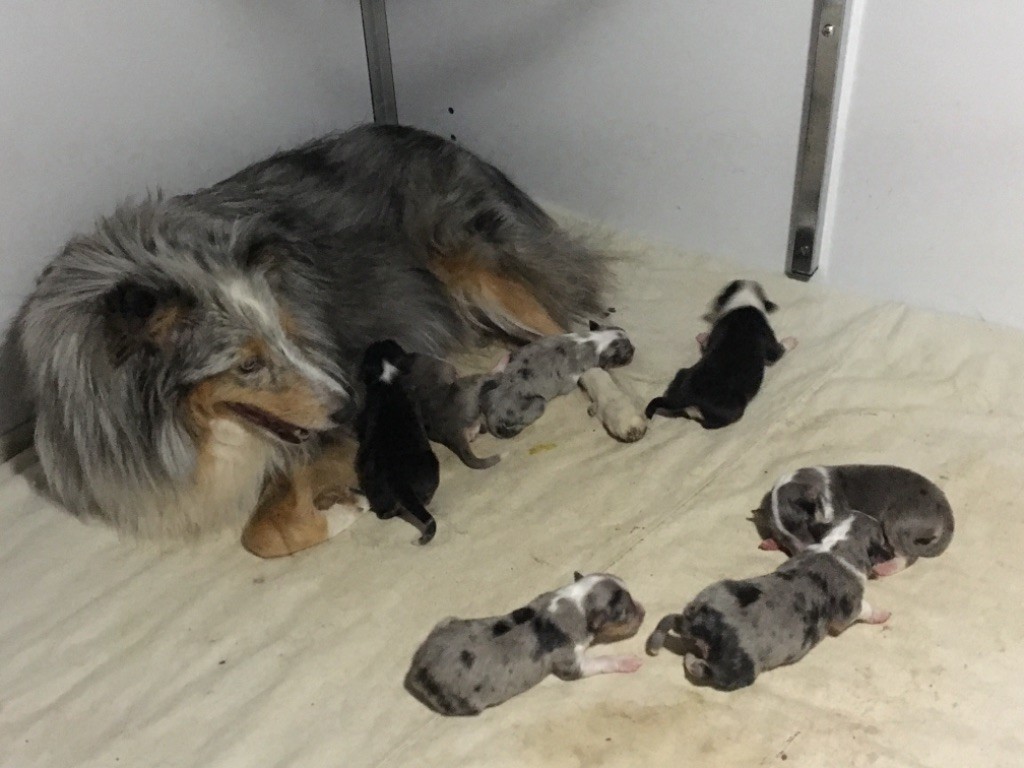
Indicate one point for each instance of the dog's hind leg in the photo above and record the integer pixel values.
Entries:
(308, 507)
(512, 307)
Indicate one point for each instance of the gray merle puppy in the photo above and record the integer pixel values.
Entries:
(735, 630)
(915, 515)
(448, 405)
(514, 398)
(467, 665)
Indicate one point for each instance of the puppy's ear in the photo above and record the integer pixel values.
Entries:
(138, 318)
(576, 575)
(770, 306)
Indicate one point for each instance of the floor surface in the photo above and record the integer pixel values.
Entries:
(115, 654)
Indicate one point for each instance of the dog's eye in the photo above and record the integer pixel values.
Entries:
(250, 365)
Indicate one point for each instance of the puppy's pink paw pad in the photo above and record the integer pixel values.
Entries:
(628, 664)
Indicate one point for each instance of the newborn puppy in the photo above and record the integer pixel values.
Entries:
(914, 512)
(467, 665)
(448, 405)
(717, 390)
(737, 629)
(396, 468)
(514, 398)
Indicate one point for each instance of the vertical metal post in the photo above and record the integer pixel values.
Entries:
(819, 95)
(378, 61)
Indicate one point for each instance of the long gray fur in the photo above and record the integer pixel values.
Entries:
(350, 222)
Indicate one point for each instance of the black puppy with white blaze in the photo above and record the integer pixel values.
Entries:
(396, 467)
(717, 390)
(467, 665)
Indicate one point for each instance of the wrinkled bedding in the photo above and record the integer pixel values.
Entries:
(119, 654)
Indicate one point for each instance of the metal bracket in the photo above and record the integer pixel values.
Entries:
(819, 94)
(378, 61)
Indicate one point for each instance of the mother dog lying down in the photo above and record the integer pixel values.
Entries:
(192, 360)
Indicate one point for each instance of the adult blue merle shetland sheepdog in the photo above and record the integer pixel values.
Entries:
(193, 359)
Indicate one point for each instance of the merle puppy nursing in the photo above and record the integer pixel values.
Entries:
(515, 397)
(397, 469)
(449, 406)
(735, 630)
(716, 390)
(467, 665)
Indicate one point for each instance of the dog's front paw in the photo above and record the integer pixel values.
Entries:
(789, 343)
(618, 413)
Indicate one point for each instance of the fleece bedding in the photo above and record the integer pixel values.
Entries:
(119, 654)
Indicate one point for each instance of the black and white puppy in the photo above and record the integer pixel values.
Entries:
(397, 469)
(914, 512)
(467, 665)
(734, 630)
(717, 390)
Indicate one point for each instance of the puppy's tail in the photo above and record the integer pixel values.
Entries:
(665, 407)
(421, 518)
(657, 638)
(473, 461)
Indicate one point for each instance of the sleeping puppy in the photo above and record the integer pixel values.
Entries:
(514, 398)
(914, 512)
(717, 390)
(467, 665)
(735, 630)
(396, 468)
(449, 406)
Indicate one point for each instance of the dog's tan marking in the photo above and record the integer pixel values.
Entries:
(289, 518)
(163, 322)
(291, 400)
(471, 282)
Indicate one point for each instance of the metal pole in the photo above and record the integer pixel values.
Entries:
(819, 95)
(378, 61)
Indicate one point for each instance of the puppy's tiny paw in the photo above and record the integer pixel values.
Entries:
(789, 343)
(628, 664)
(879, 616)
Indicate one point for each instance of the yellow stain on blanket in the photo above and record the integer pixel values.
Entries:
(541, 447)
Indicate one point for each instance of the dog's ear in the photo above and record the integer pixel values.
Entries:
(576, 575)
(141, 318)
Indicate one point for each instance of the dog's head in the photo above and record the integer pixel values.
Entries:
(610, 611)
(614, 348)
(177, 323)
(739, 293)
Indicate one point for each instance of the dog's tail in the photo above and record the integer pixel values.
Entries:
(421, 518)
(665, 407)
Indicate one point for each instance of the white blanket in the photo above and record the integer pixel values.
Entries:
(116, 654)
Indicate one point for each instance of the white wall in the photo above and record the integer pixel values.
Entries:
(109, 98)
(928, 202)
(675, 120)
